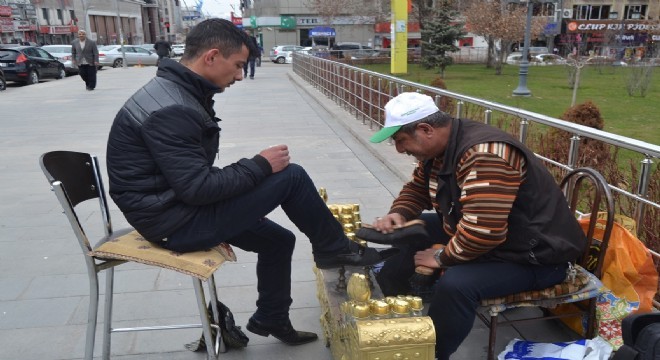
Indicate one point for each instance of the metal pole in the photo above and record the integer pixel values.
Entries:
(85, 5)
(121, 36)
(642, 190)
(522, 89)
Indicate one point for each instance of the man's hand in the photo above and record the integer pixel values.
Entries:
(277, 156)
(426, 258)
(389, 222)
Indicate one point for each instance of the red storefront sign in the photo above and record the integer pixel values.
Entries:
(6, 25)
(5, 11)
(57, 29)
(237, 20)
(628, 26)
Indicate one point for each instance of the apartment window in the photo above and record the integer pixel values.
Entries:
(44, 14)
(59, 16)
(547, 9)
(591, 12)
(72, 16)
(635, 12)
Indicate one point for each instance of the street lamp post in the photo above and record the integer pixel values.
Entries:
(121, 36)
(522, 89)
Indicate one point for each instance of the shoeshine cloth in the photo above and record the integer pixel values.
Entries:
(404, 109)
(594, 349)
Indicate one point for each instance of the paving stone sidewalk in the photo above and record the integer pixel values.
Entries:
(43, 280)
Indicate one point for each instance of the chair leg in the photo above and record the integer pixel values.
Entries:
(591, 318)
(107, 313)
(92, 314)
(492, 335)
(213, 294)
(204, 317)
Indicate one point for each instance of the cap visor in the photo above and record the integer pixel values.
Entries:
(384, 134)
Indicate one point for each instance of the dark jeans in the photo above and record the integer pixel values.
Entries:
(249, 63)
(458, 292)
(240, 221)
(88, 74)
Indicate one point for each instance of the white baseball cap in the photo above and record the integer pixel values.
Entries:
(404, 109)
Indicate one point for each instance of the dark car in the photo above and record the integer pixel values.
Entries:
(28, 64)
(3, 82)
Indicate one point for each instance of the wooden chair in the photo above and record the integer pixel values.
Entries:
(585, 283)
(75, 178)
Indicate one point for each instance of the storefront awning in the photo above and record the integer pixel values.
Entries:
(322, 31)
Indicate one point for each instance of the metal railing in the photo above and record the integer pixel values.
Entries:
(364, 93)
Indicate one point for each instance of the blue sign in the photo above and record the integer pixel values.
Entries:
(322, 31)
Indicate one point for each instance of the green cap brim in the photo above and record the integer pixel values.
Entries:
(384, 134)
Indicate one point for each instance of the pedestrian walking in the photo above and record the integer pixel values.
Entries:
(85, 55)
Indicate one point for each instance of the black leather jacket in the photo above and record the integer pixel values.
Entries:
(161, 149)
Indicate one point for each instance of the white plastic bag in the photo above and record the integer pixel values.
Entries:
(594, 349)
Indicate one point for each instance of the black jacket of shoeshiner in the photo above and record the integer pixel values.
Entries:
(161, 149)
(541, 228)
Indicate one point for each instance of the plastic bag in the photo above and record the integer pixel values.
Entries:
(629, 274)
(595, 349)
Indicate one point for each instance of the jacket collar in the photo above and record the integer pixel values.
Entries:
(190, 81)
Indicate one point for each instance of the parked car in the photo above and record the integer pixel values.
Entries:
(111, 55)
(178, 49)
(549, 59)
(279, 53)
(514, 58)
(28, 64)
(3, 82)
(353, 50)
(149, 47)
(63, 53)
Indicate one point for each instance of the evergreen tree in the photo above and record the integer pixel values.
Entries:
(439, 36)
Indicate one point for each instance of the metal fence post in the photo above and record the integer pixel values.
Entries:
(642, 189)
(524, 124)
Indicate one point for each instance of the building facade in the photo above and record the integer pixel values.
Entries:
(621, 29)
(58, 21)
(290, 22)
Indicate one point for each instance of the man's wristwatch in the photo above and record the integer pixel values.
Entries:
(437, 254)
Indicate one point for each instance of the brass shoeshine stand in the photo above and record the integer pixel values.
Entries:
(358, 322)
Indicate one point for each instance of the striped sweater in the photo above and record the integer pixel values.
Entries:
(489, 176)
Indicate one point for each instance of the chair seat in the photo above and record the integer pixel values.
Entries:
(585, 285)
(133, 247)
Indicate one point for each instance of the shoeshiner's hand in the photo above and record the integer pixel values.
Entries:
(277, 156)
(426, 258)
(389, 222)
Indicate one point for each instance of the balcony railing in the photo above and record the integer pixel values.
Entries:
(364, 94)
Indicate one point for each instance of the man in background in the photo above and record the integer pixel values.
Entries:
(85, 55)
(163, 48)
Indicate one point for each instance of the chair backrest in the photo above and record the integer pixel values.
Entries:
(76, 177)
(602, 200)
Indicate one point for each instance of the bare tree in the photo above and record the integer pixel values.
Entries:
(507, 28)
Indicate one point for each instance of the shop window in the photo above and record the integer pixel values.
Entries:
(635, 12)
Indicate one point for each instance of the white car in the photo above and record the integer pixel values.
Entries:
(280, 53)
(549, 59)
(62, 53)
(178, 49)
(112, 55)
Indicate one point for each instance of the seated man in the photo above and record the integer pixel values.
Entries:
(160, 154)
(505, 222)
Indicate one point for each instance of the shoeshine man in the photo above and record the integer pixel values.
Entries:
(160, 155)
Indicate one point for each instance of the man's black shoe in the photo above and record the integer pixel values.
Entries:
(370, 257)
(411, 232)
(283, 332)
